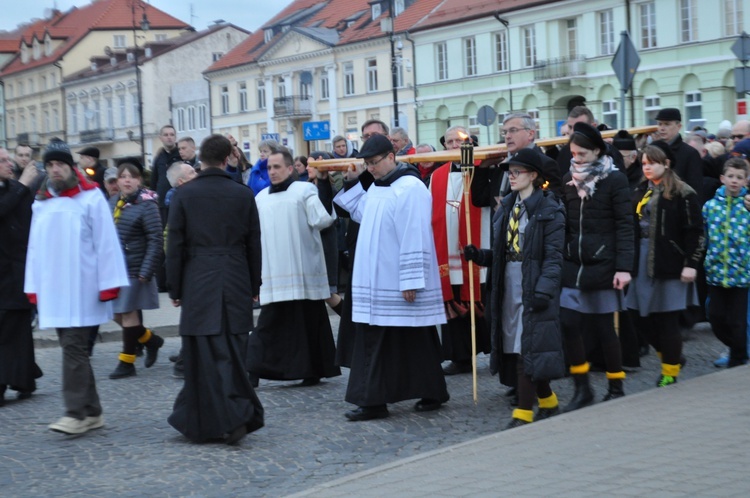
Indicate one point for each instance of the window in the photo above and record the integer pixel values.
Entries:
(372, 75)
(305, 90)
(74, 116)
(225, 99)
(694, 109)
(733, 17)
(55, 120)
(37, 50)
(606, 33)
(501, 51)
(9, 89)
(399, 4)
(609, 113)
(12, 127)
(47, 47)
(281, 88)
(46, 123)
(400, 74)
(97, 114)
(31, 85)
(534, 113)
(243, 97)
(110, 113)
(470, 57)
(191, 118)
(119, 41)
(571, 37)
(216, 56)
(349, 78)
(324, 90)
(529, 46)
(32, 122)
(43, 80)
(651, 106)
(261, 94)
(688, 20)
(181, 119)
(441, 54)
(20, 88)
(375, 10)
(21, 123)
(136, 114)
(202, 117)
(123, 112)
(53, 80)
(160, 37)
(648, 24)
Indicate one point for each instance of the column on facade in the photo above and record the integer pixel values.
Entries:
(333, 101)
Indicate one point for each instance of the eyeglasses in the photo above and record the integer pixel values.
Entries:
(512, 131)
(372, 164)
(737, 137)
(515, 173)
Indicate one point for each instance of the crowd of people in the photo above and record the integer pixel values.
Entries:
(586, 254)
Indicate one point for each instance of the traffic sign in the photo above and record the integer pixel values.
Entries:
(316, 130)
(626, 61)
(486, 115)
(270, 136)
(742, 79)
(741, 48)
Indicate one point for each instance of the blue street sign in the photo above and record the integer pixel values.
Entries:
(270, 136)
(316, 130)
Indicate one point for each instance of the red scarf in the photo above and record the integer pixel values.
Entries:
(439, 187)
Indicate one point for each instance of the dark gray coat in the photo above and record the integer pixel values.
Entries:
(541, 341)
(140, 232)
(213, 254)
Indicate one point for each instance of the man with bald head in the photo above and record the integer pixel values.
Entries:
(741, 130)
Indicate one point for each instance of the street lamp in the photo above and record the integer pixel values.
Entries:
(394, 60)
(138, 88)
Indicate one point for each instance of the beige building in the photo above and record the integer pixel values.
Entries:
(54, 48)
(328, 61)
(101, 101)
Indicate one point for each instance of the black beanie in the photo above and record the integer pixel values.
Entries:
(57, 150)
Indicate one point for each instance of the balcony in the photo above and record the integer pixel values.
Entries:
(562, 70)
(97, 135)
(291, 107)
(28, 138)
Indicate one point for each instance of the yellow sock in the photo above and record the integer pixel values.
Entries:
(670, 370)
(580, 369)
(548, 402)
(525, 415)
(615, 375)
(145, 337)
(658, 354)
(126, 358)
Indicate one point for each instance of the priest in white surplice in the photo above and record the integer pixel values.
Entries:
(293, 338)
(396, 295)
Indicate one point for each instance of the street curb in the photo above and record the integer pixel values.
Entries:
(107, 336)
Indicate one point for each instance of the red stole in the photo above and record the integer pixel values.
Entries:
(439, 187)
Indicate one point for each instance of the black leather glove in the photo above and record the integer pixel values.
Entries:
(540, 302)
(471, 253)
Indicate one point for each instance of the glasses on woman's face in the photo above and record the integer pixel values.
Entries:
(515, 173)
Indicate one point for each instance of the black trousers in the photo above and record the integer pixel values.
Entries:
(727, 312)
(663, 333)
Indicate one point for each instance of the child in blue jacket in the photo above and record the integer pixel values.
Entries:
(727, 261)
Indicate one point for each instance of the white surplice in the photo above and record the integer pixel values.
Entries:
(395, 253)
(74, 253)
(293, 266)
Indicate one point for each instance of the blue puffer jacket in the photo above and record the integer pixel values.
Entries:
(259, 176)
(727, 225)
(140, 231)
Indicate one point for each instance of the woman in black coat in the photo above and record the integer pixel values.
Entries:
(598, 259)
(526, 261)
(670, 249)
(138, 223)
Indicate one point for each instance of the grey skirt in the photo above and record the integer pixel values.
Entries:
(138, 296)
(592, 301)
(655, 295)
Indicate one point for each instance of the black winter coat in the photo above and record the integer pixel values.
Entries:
(688, 164)
(676, 237)
(541, 341)
(15, 222)
(140, 232)
(159, 182)
(213, 254)
(599, 235)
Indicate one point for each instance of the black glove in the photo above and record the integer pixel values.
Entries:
(471, 253)
(540, 302)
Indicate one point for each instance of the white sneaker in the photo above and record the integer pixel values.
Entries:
(70, 425)
(95, 422)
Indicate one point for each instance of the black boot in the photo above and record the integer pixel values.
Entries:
(583, 395)
(152, 349)
(615, 390)
(123, 370)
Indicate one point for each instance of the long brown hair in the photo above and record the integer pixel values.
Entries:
(671, 181)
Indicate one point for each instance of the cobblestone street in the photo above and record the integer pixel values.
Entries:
(306, 441)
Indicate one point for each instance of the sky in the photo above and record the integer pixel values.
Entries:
(247, 14)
